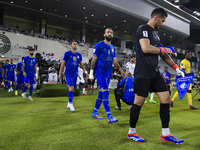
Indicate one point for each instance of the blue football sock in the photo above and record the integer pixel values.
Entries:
(30, 91)
(8, 85)
(16, 88)
(23, 86)
(25, 89)
(70, 96)
(98, 102)
(106, 103)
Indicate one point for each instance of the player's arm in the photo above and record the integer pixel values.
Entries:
(2, 73)
(23, 66)
(35, 69)
(170, 79)
(148, 48)
(116, 64)
(171, 63)
(127, 70)
(93, 63)
(6, 72)
(61, 69)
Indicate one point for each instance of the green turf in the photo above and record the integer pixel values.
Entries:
(46, 124)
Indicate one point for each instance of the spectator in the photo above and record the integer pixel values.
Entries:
(52, 77)
(51, 68)
(40, 71)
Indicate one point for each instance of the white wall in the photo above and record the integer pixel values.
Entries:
(44, 45)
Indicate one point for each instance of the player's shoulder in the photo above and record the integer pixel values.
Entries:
(183, 61)
(78, 53)
(143, 27)
(128, 63)
(68, 52)
(99, 44)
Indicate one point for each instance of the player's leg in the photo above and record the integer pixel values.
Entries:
(93, 86)
(142, 89)
(32, 82)
(173, 99)
(151, 99)
(17, 85)
(163, 94)
(71, 82)
(97, 106)
(89, 84)
(26, 83)
(117, 93)
(189, 96)
(9, 83)
(12, 81)
(83, 84)
(5, 82)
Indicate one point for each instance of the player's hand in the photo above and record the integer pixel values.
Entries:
(18, 72)
(24, 74)
(91, 76)
(6, 76)
(180, 72)
(60, 77)
(123, 73)
(167, 49)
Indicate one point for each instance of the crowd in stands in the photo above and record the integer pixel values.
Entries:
(65, 40)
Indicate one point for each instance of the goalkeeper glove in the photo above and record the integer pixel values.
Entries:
(167, 49)
(178, 71)
(91, 76)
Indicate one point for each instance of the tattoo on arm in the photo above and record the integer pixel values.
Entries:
(93, 62)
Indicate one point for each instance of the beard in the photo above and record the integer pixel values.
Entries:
(31, 54)
(108, 38)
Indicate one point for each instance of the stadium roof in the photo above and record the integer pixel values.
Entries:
(76, 14)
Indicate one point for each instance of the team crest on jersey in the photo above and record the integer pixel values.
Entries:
(74, 58)
(105, 49)
(78, 57)
(108, 52)
(113, 50)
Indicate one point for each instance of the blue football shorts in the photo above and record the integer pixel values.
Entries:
(29, 79)
(11, 78)
(71, 81)
(103, 82)
(20, 79)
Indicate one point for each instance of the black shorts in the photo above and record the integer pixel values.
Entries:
(91, 83)
(143, 86)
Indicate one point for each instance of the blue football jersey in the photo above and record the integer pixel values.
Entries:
(4, 68)
(19, 68)
(30, 65)
(1, 70)
(11, 69)
(129, 87)
(105, 54)
(72, 61)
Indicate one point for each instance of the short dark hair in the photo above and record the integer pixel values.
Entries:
(108, 29)
(11, 59)
(73, 41)
(7, 60)
(31, 49)
(132, 56)
(166, 67)
(187, 52)
(160, 12)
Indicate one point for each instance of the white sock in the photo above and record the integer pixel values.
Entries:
(165, 131)
(132, 130)
(152, 94)
(83, 90)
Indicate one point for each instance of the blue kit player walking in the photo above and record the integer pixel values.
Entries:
(10, 74)
(71, 60)
(103, 58)
(4, 74)
(20, 77)
(29, 70)
(1, 76)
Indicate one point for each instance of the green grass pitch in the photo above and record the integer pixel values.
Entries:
(46, 124)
